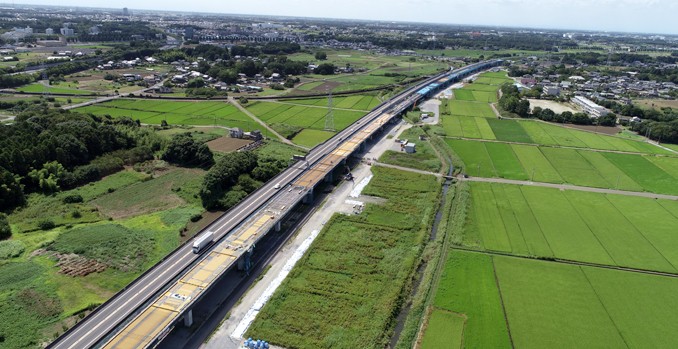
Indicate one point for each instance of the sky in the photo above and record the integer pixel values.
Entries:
(646, 16)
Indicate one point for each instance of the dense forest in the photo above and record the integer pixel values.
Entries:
(49, 150)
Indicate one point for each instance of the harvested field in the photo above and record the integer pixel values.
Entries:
(227, 144)
(326, 86)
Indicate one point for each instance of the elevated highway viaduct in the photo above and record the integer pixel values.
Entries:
(144, 312)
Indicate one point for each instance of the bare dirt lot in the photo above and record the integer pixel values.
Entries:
(326, 86)
(227, 144)
(555, 106)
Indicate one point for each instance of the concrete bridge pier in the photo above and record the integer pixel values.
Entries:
(188, 318)
(308, 197)
(277, 226)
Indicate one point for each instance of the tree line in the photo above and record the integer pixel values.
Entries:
(512, 101)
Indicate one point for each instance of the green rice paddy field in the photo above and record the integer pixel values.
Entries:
(632, 172)
(554, 305)
(310, 137)
(359, 102)
(469, 122)
(519, 280)
(175, 113)
(616, 230)
(40, 88)
(309, 115)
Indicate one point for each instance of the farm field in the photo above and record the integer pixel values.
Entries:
(357, 102)
(573, 225)
(425, 157)
(477, 53)
(461, 125)
(553, 305)
(310, 137)
(470, 108)
(371, 71)
(631, 172)
(656, 103)
(226, 144)
(40, 88)
(175, 113)
(291, 120)
(467, 286)
(482, 90)
(348, 284)
(444, 330)
(62, 272)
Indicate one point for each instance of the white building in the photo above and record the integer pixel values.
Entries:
(49, 31)
(410, 148)
(67, 31)
(589, 107)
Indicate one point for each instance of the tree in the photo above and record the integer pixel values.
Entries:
(47, 179)
(320, 55)
(523, 108)
(11, 193)
(5, 229)
(223, 176)
(608, 120)
(325, 69)
(183, 150)
(196, 83)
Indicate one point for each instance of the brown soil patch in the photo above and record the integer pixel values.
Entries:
(609, 130)
(159, 203)
(227, 144)
(72, 264)
(326, 86)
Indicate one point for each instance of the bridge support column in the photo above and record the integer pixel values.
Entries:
(188, 318)
(245, 261)
(329, 177)
(277, 226)
(308, 198)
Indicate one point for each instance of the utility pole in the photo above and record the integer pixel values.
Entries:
(329, 118)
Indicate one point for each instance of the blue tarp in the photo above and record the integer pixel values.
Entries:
(428, 89)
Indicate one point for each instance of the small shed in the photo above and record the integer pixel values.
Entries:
(410, 148)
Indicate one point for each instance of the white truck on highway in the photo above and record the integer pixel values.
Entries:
(202, 241)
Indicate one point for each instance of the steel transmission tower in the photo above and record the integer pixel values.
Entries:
(45, 88)
(329, 118)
